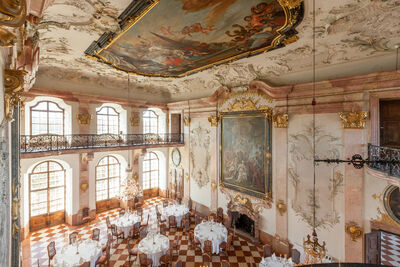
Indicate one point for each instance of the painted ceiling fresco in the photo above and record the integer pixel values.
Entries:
(173, 38)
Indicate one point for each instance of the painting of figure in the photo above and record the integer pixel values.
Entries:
(178, 36)
(245, 146)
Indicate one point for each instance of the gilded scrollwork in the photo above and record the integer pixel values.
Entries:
(354, 230)
(213, 121)
(246, 101)
(14, 85)
(84, 118)
(135, 119)
(280, 120)
(186, 120)
(353, 120)
(12, 16)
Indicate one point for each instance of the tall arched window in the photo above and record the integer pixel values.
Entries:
(47, 118)
(151, 171)
(150, 122)
(107, 121)
(107, 178)
(47, 188)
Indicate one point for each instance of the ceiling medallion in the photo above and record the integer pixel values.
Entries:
(176, 38)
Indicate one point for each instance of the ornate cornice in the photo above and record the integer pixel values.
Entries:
(280, 120)
(14, 85)
(353, 120)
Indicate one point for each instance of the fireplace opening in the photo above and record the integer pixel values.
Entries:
(243, 223)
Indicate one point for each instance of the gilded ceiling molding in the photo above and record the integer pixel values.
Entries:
(354, 230)
(280, 120)
(12, 16)
(213, 121)
(353, 120)
(291, 3)
(84, 118)
(14, 86)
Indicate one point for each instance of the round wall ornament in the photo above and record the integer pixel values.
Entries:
(391, 202)
(176, 157)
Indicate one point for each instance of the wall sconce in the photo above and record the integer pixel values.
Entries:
(213, 185)
(84, 186)
(187, 177)
(353, 230)
(281, 206)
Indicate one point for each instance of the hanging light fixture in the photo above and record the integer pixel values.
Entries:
(130, 187)
(314, 251)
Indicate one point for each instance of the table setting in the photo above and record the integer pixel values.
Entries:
(126, 222)
(210, 230)
(154, 246)
(177, 210)
(77, 253)
(275, 261)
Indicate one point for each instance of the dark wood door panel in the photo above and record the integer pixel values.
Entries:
(149, 193)
(389, 113)
(108, 204)
(46, 220)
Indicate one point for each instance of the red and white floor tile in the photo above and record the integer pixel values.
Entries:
(243, 252)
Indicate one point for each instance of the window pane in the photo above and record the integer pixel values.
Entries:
(146, 180)
(114, 187)
(54, 166)
(38, 181)
(54, 107)
(38, 202)
(101, 172)
(56, 199)
(101, 190)
(56, 178)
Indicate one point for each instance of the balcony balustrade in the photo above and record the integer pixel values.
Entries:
(45, 143)
(387, 154)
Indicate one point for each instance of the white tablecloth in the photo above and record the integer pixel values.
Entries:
(126, 222)
(274, 261)
(216, 232)
(178, 210)
(154, 246)
(89, 250)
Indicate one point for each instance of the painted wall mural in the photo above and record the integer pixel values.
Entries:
(329, 179)
(245, 152)
(200, 157)
(176, 38)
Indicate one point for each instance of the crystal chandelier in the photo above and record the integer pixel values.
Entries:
(314, 251)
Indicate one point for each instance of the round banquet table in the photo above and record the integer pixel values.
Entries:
(209, 230)
(178, 211)
(89, 250)
(274, 261)
(154, 246)
(126, 222)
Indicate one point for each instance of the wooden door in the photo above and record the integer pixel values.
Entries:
(149, 193)
(389, 113)
(46, 220)
(107, 204)
(175, 126)
(372, 247)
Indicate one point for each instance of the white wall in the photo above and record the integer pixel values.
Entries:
(162, 154)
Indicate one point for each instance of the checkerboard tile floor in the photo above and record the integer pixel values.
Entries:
(242, 253)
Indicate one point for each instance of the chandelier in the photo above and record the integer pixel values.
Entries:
(130, 187)
(314, 251)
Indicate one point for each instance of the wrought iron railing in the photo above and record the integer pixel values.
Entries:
(390, 156)
(44, 143)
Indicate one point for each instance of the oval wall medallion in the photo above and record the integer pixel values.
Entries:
(391, 201)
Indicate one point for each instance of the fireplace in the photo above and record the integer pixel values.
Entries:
(243, 222)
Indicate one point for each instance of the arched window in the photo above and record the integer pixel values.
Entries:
(107, 121)
(47, 188)
(150, 122)
(107, 178)
(151, 171)
(47, 118)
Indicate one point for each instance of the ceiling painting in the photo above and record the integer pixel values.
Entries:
(176, 38)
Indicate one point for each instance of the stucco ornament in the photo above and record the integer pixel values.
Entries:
(329, 179)
(199, 155)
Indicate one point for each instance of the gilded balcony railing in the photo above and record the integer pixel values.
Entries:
(44, 143)
(385, 159)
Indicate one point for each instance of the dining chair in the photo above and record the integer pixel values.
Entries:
(108, 223)
(186, 224)
(147, 221)
(267, 251)
(73, 237)
(206, 259)
(160, 219)
(163, 229)
(190, 204)
(220, 215)
(173, 244)
(179, 200)
(213, 216)
(104, 260)
(96, 234)
(144, 261)
(172, 221)
(121, 212)
(139, 211)
(132, 250)
(226, 246)
(51, 251)
(194, 241)
(109, 241)
(117, 233)
(178, 263)
(198, 219)
(295, 256)
(225, 263)
(165, 203)
(143, 232)
(207, 246)
(85, 264)
(193, 214)
(85, 216)
(167, 257)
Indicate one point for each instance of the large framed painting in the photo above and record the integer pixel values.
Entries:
(175, 38)
(245, 152)
(391, 201)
